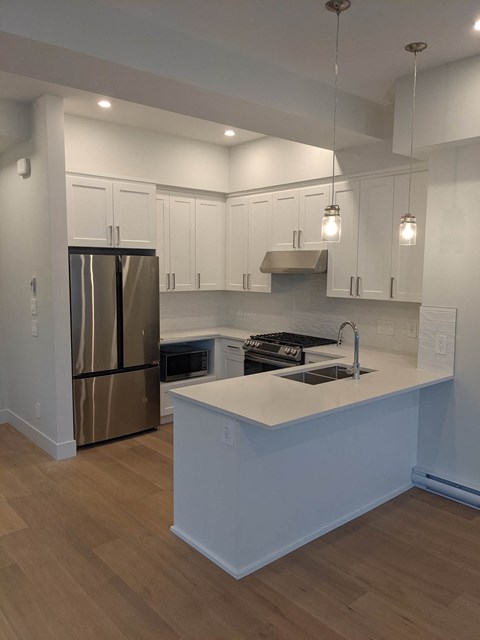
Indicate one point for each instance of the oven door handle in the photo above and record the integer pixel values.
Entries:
(280, 363)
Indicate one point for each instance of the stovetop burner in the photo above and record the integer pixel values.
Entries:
(293, 339)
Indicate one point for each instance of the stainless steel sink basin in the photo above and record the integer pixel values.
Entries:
(324, 374)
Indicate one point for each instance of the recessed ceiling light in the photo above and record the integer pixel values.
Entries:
(476, 26)
(229, 132)
(105, 104)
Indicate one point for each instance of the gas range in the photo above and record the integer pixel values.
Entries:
(283, 347)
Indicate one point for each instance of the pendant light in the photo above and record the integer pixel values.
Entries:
(332, 222)
(408, 222)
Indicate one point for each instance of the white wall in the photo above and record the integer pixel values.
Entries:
(269, 162)
(107, 149)
(297, 303)
(33, 242)
(449, 437)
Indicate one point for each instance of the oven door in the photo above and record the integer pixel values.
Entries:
(255, 363)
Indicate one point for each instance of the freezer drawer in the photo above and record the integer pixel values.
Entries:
(115, 405)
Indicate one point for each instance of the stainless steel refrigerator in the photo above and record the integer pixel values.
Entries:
(114, 302)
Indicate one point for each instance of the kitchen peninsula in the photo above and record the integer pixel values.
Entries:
(265, 464)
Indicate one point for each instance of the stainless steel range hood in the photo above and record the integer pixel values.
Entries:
(294, 262)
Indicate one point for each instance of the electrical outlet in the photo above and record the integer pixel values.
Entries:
(412, 329)
(229, 434)
(38, 410)
(33, 306)
(441, 344)
(35, 328)
(386, 327)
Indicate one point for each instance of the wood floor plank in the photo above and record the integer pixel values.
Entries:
(86, 553)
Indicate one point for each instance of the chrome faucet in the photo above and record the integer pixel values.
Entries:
(356, 364)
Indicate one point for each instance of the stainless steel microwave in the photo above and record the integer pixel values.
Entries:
(182, 361)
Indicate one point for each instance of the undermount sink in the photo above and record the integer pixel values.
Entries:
(324, 374)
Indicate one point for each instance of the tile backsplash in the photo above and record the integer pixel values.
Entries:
(297, 303)
(437, 322)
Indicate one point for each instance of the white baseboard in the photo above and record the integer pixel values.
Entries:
(3, 416)
(58, 450)
(245, 571)
(445, 488)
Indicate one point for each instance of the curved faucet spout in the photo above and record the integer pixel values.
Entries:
(356, 349)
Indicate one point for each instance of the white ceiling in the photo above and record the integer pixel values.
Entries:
(294, 35)
(298, 35)
(82, 103)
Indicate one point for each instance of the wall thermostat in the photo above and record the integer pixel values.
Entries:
(23, 167)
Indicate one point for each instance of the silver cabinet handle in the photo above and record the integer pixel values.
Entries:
(294, 239)
(110, 231)
(168, 282)
(244, 287)
(118, 234)
(352, 280)
(358, 285)
(173, 281)
(300, 238)
(198, 281)
(249, 281)
(392, 280)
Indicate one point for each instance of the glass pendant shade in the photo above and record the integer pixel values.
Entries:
(331, 224)
(408, 230)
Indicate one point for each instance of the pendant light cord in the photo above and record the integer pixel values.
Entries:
(335, 108)
(411, 132)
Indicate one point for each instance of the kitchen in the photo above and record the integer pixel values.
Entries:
(296, 303)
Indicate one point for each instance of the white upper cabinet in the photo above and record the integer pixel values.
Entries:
(89, 212)
(312, 203)
(237, 244)
(134, 215)
(210, 244)
(368, 262)
(407, 261)
(182, 242)
(297, 218)
(105, 213)
(163, 239)
(342, 256)
(249, 237)
(285, 220)
(375, 238)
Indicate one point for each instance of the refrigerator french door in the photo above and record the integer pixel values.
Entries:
(114, 301)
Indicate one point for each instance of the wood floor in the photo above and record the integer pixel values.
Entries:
(86, 553)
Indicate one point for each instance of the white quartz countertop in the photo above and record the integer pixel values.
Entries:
(167, 337)
(271, 402)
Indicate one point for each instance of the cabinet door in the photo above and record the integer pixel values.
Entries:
(182, 242)
(135, 215)
(259, 242)
(285, 221)
(163, 239)
(313, 201)
(89, 212)
(210, 244)
(237, 244)
(375, 238)
(342, 256)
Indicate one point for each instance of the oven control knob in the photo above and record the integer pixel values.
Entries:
(288, 350)
(294, 352)
(257, 344)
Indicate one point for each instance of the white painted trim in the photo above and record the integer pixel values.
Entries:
(446, 488)
(58, 450)
(245, 571)
(3, 416)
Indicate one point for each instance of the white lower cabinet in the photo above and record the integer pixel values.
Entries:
(107, 213)
(249, 237)
(368, 261)
(191, 242)
(166, 400)
(232, 359)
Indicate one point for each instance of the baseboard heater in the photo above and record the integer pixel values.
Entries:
(446, 488)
